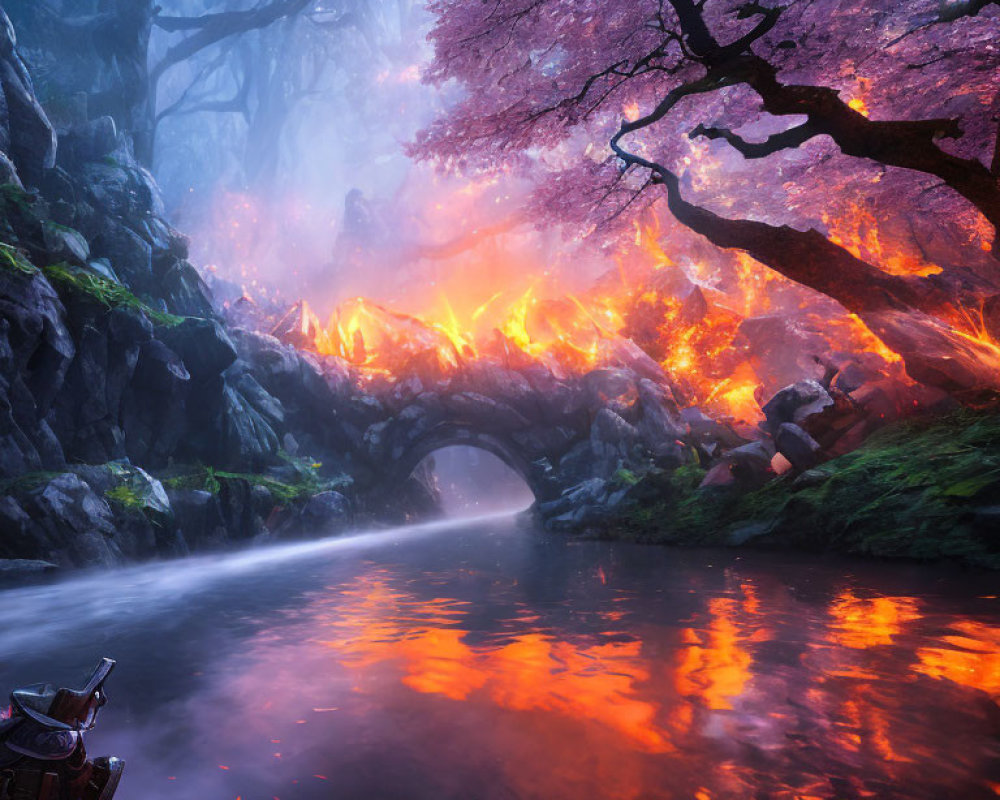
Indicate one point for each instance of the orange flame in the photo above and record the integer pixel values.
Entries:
(687, 315)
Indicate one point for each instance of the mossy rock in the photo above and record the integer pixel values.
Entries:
(105, 291)
(925, 489)
(304, 481)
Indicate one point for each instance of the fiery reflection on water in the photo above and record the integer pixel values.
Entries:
(589, 681)
(697, 708)
(968, 655)
(500, 669)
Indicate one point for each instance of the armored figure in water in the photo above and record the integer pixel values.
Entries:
(42, 756)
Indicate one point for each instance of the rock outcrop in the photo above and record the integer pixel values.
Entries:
(114, 363)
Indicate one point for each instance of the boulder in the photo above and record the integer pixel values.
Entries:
(29, 138)
(203, 345)
(70, 524)
(609, 383)
(750, 464)
(184, 291)
(8, 172)
(611, 430)
(89, 141)
(797, 446)
(581, 505)
(660, 425)
(326, 512)
(935, 353)
(198, 517)
(33, 319)
(130, 255)
(154, 412)
(246, 440)
(146, 492)
(795, 404)
(18, 538)
(710, 436)
(265, 404)
(65, 244)
(719, 475)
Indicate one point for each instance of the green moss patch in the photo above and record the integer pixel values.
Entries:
(921, 489)
(27, 482)
(306, 483)
(126, 497)
(106, 291)
(12, 259)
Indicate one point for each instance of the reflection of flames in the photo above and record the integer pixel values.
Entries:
(848, 717)
(971, 657)
(866, 622)
(687, 317)
(534, 671)
(715, 667)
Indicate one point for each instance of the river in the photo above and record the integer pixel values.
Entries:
(473, 659)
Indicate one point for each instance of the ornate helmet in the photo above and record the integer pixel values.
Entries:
(65, 709)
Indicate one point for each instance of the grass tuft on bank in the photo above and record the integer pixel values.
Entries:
(304, 481)
(12, 259)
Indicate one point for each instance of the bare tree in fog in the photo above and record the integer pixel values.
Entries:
(118, 53)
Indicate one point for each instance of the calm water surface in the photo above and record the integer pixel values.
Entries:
(475, 660)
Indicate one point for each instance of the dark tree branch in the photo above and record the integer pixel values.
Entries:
(909, 145)
(905, 144)
(212, 28)
(793, 137)
(178, 107)
(769, 18)
(806, 257)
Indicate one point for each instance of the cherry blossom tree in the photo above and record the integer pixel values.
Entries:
(752, 121)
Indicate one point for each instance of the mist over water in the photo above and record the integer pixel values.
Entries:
(472, 482)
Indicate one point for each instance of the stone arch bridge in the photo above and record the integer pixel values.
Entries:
(564, 435)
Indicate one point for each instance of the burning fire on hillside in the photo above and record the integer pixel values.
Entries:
(724, 336)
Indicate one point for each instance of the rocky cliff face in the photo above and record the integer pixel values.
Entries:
(114, 364)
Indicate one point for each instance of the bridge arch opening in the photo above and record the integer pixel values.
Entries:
(470, 480)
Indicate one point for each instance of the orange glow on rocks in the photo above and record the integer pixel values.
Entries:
(686, 317)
